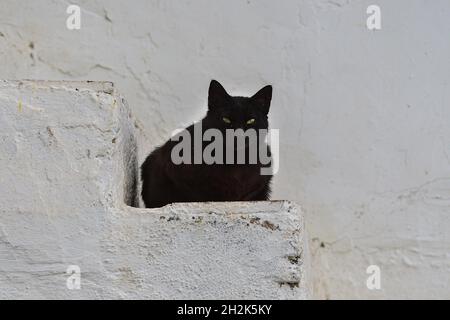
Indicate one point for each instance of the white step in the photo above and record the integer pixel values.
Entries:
(68, 170)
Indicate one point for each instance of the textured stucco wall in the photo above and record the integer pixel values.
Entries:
(67, 172)
(364, 115)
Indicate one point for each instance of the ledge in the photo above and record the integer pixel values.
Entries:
(67, 197)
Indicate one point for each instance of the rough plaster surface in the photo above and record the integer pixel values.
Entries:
(363, 116)
(68, 170)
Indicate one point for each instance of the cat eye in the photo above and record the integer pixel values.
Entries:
(251, 121)
(226, 120)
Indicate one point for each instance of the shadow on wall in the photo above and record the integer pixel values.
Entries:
(131, 174)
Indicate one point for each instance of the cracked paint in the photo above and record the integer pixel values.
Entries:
(363, 116)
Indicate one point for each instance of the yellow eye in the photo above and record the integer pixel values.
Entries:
(250, 121)
(226, 120)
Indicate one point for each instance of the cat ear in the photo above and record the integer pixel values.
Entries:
(263, 97)
(217, 96)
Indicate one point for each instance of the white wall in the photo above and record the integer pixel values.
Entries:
(364, 116)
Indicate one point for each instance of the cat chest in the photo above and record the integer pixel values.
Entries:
(236, 183)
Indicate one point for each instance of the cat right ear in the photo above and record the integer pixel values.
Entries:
(217, 96)
(263, 98)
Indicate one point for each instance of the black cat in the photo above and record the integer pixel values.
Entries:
(164, 181)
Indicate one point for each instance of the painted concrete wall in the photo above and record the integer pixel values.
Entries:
(67, 168)
(364, 116)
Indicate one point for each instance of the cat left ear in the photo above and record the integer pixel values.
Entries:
(263, 98)
(217, 96)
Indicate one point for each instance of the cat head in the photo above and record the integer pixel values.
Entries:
(228, 112)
